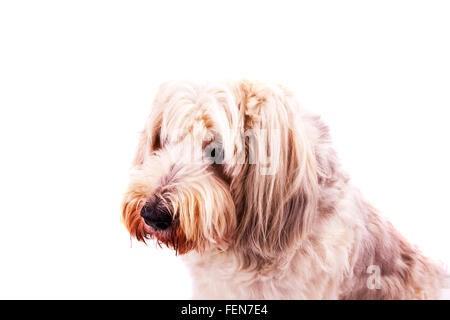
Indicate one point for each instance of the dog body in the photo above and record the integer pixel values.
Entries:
(246, 186)
(338, 261)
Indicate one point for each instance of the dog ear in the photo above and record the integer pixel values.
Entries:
(275, 191)
(149, 139)
(141, 150)
(148, 142)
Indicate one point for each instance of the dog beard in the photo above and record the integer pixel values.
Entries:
(198, 201)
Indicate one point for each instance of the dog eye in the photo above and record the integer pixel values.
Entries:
(157, 140)
(214, 152)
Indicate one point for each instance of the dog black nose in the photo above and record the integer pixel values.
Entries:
(156, 217)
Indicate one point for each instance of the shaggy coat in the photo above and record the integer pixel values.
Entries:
(260, 206)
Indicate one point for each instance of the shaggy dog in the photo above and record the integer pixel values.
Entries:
(243, 183)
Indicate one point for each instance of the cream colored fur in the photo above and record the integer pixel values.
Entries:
(278, 217)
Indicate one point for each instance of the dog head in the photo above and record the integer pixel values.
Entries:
(223, 166)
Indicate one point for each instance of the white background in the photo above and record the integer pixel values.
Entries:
(77, 79)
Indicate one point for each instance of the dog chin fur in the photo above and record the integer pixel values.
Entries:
(287, 225)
